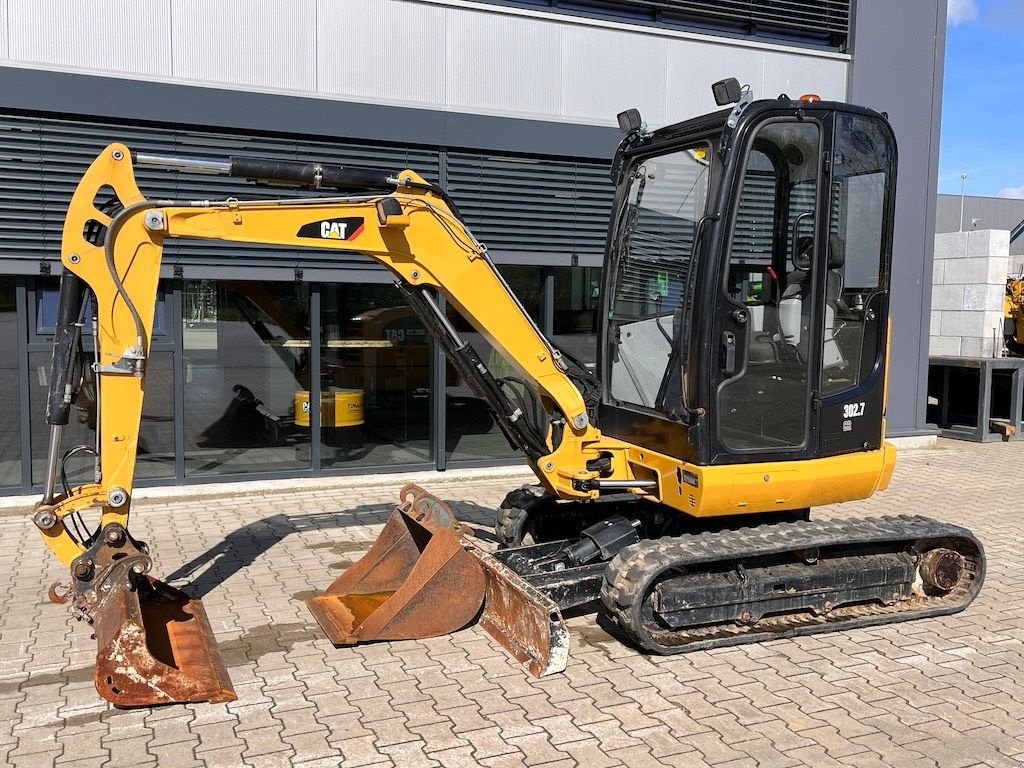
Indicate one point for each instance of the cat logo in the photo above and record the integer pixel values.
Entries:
(333, 229)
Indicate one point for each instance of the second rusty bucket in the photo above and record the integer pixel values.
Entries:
(416, 581)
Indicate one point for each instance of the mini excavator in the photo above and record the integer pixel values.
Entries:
(741, 381)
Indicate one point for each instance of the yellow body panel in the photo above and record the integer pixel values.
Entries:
(425, 245)
(1013, 306)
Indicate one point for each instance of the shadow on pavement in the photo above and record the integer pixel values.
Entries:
(244, 545)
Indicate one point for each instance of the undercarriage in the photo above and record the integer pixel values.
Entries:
(727, 583)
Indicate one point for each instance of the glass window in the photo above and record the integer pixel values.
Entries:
(666, 199)
(770, 279)
(155, 458)
(860, 177)
(375, 379)
(48, 298)
(10, 408)
(471, 433)
(577, 296)
(246, 348)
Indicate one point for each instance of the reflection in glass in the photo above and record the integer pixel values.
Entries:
(375, 378)
(156, 433)
(666, 199)
(246, 347)
(577, 296)
(471, 434)
(10, 410)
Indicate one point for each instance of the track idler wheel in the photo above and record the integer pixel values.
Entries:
(154, 643)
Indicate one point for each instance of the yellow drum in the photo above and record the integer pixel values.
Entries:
(338, 409)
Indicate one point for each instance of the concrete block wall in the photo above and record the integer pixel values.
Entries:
(968, 285)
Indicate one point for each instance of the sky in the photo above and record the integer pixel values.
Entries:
(982, 104)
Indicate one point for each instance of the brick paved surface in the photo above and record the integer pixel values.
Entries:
(938, 692)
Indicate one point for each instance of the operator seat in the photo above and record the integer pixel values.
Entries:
(795, 304)
(832, 354)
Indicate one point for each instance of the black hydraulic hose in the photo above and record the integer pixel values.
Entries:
(66, 339)
(108, 251)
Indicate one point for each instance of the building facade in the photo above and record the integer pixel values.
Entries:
(510, 105)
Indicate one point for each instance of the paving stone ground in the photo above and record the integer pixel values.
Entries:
(945, 692)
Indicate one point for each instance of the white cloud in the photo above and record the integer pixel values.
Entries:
(1017, 192)
(961, 12)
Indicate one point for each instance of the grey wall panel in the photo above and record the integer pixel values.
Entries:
(691, 70)
(260, 43)
(605, 71)
(365, 48)
(990, 212)
(5, 27)
(111, 35)
(136, 101)
(897, 67)
(503, 64)
(447, 57)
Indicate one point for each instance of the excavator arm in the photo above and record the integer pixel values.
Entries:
(112, 247)
(411, 231)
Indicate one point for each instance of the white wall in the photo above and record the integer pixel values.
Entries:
(442, 54)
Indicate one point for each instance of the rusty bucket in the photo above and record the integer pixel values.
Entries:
(155, 646)
(416, 581)
(154, 643)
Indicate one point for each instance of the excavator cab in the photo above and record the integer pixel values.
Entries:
(747, 282)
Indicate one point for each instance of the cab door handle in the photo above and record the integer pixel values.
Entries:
(729, 353)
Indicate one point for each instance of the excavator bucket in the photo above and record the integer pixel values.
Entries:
(416, 581)
(154, 642)
(156, 647)
(422, 579)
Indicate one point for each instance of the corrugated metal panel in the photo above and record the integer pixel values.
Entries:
(822, 22)
(42, 159)
(605, 71)
(114, 35)
(5, 29)
(263, 43)
(504, 64)
(367, 49)
(518, 204)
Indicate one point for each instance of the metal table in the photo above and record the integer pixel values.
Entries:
(942, 368)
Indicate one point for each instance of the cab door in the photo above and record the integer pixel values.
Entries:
(764, 384)
(855, 288)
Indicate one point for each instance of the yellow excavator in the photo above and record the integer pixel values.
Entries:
(741, 381)
(1013, 315)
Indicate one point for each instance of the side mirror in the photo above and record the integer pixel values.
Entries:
(726, 91)
(630, 120)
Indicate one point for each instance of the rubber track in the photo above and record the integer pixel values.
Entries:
(630, 575)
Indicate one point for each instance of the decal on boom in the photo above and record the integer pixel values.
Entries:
(333, 229)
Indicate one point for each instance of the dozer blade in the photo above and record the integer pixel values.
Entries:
(421, 579)
(522, 618)
(156, 647)
(416, 581)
